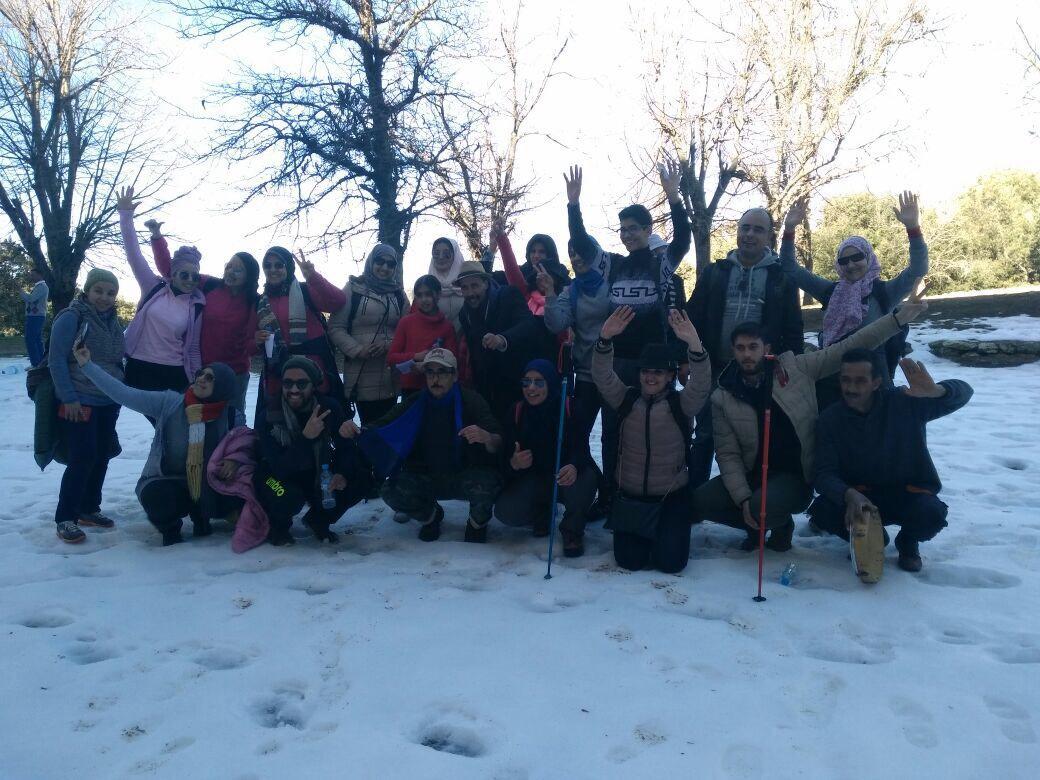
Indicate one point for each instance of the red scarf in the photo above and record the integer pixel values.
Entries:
(210, 411)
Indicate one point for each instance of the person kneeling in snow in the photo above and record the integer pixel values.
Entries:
(871, 452)
(188, 427)
(438, 444)
(298, 441)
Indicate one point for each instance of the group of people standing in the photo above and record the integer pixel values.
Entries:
(485, 387)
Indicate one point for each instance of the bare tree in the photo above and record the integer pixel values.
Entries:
(480, 188)
(362, 126)
(68, 130)
(1031, 55)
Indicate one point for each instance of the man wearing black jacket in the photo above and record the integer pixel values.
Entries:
(502, 336)
(871, 452)
(295, 442)
(748, 285)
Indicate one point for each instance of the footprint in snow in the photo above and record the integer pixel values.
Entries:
(916, 722)
(220, 659)
(1014, 464)
(1019, 650)
(45, 618)
(450, 728)
(85, 653)
(285, 706)
(967, 577)
(1015, 721)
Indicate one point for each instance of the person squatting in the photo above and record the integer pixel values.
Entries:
(484, 387)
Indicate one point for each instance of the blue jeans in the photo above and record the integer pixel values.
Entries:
(34, 338)
(87, 444)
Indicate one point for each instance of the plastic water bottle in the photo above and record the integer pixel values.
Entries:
(8, 370)
(788, 575)
(328, 501)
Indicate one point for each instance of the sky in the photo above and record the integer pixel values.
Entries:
(960, 98)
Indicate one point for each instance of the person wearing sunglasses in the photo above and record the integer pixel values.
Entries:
(292, 314)
(163, 339)
(295, 446)
(530, 442)
(189, 426)
(860, 296)
(438, 444)
(230, 333)
(364, 329)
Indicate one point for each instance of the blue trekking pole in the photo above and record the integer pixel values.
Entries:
(556, 474)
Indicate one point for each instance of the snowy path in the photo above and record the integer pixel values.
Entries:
(386, 657)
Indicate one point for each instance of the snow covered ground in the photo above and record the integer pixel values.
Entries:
(387, 657)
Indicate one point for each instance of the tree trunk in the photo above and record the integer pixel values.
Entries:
(807, 245)
(702, 249)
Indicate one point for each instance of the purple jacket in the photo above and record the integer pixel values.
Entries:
(136, 336)
(253, 525)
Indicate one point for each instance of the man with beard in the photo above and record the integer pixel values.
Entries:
(502, 335)
(297, 442)
(787, 385)
(872, 454)
(748, 285)
(440, 443)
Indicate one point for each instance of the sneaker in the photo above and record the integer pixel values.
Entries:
(70, 532)
(201, 528)
(573, 545)
(780, 538)
(430, 531)
(95, 520)
(476, 532)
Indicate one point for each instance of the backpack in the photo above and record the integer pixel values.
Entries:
(42, 372)
(674, 406)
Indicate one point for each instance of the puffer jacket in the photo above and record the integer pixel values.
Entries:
(375, 320)
(735, 423)
(652, 458)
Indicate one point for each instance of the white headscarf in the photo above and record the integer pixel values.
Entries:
(448, 279)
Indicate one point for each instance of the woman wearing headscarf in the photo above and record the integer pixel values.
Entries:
(445, 264)
(292, 313)
(86, 414)
(542, 274)
(229, 330)
(860, 296)
(162, 340)
(530, 443)
(363, 330)
(189, 425)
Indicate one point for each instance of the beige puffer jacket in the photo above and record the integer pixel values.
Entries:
(375, 320)
(652, 460)
(735, 423)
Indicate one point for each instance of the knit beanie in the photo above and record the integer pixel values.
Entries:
(186, 257)
(286, 257)
(308, 366)
(95, 275)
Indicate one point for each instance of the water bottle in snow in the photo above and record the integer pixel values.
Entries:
(8, 370)
(328, 501)
(787, 576)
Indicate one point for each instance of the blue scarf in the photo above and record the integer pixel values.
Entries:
(587, 283)
(388, 447)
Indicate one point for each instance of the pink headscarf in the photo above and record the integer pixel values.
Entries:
(846, 307)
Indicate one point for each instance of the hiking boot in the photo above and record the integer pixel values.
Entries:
(280, 538)
(780, 538)
(750, 542)
(430, 531)
(476, 532)
(95, 520)
(201, 528)
(573, 545)
(70, 532)
(599, 510)
(540, 529)
(321, 531)
(909, 556)
(172, 537)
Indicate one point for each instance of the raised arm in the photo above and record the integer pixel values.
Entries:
(146, 277)
(513, 275)
(671, 175)
(584, 246)
(902, 284)
(609, 384)
(326, 296)
(146, 402)
(816, 286)
(698, 387)
(931, 399)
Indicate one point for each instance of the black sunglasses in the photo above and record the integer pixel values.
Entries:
(205, 375)
(385, 262)
(271, 266)
(854, 257)
(298, 384)
(186, 275)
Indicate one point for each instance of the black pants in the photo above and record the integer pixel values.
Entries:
(370, 411)
(167, 501)
(526, 500)
(282, 497)
(587, 404)
(628, 372)
(155, 376)
(920, 516)
(669, 550)
(88, 444)
(786, 495)
(702, 451)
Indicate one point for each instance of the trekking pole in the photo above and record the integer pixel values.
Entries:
(766, 426)
(556, 473)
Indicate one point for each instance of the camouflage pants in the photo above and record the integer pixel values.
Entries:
(415, 493)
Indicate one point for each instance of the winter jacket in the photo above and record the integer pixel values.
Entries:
(534, 428)
(496, 374)
(736, 424)
(585, 317)
(252, 525)
(169, 450)
(375, 318)
(780, 311)
(638, 280)
(884, 448)
(228, 321)
(167, 326)
(36, 299)
(105, 341)
(652, 453)
(417, 332)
